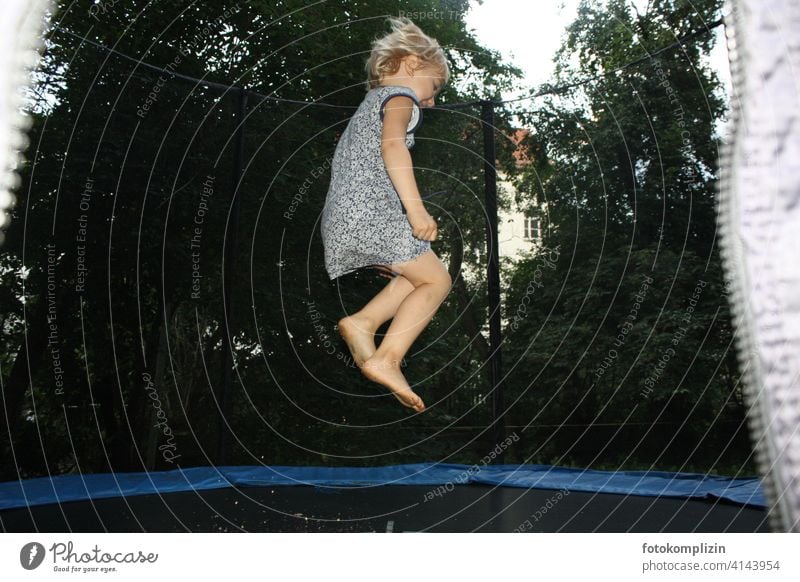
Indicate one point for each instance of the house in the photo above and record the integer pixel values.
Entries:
(518, 230)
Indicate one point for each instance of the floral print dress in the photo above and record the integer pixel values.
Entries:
(363, 222)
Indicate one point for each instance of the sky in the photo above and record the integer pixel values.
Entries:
(528, 33)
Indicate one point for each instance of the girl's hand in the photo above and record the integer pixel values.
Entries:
(423, 225)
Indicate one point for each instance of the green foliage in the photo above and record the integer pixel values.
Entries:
(161, 156)
(295, 397)
(630, 329)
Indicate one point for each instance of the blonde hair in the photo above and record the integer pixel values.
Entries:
(405, 39)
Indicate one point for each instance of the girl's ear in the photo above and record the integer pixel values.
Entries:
(411, 63)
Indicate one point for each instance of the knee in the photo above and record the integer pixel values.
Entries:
(443, 282)
(446, 280)
(434, 278)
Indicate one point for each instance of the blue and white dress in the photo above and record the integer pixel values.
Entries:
(363, 221)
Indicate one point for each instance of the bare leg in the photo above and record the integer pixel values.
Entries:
(431, 283)
(358, 330)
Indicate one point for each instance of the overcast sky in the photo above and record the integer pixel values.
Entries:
(528, 33)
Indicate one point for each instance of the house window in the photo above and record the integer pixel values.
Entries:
(531, 228)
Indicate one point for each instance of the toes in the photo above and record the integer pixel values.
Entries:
(408, 400)
(415, 401)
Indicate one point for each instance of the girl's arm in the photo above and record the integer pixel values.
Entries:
(396, 157)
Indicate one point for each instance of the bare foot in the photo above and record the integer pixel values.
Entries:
(359, 336)
(387, 373)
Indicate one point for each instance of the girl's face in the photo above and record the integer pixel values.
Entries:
(426, 83)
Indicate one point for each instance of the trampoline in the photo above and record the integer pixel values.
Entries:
(423, 497)
(449, 498)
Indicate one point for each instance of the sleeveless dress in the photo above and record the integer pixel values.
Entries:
(363, 222)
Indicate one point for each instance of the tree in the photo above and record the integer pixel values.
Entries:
(131, 180)
(623, 337)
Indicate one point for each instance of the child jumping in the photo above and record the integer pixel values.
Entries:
(374, 215)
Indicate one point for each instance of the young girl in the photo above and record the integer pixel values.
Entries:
(374, 216)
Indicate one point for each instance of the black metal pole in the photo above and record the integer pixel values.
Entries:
(493, 272)
(232, 239)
